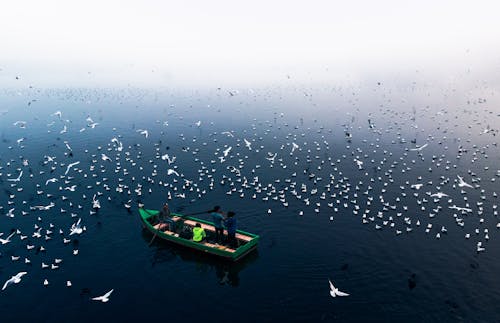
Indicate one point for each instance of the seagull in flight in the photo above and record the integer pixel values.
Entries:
(57, 114)
(228, 133)
(67, 146)
(5, 241)
(168, 159)
(51, 180)
(171, 171)
(271, 157)
(462, 183)
(334, 291)
(95, 203)
(419, 148)
(16, 179)
(43, 208)
(439, 195)
(143, 132)
(21, 124)
(104, 157)
(226, 151)
(118, 143)
(359, 163)
(104, 298)
(69, 167)
(294, 146)
(417, 186)
(248, 144)
(16, 279)
(76, 228)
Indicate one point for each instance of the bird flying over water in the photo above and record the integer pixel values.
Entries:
(5, 241)
(334, 291)
(171, 171)
(16, 279)
(16, 179)
(419, 148)
(104, 298)
(69, 167)
(143, 132)
(462, 183)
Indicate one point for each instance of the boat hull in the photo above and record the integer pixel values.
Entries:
(247, 241)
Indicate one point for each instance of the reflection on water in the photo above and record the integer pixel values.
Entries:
(226, 271)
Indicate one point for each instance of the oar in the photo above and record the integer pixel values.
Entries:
(154, 236)
(156, 232)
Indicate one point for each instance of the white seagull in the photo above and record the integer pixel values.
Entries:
(69, 167)
(14, 279)
(226, 151)
(334, 291)
(143, 132)
(21, 124)
(51, 180)
(171, 171)
(168, 159)
(16, 179)
(439, 195)
(248, 144)
(419, 148)
(104, 298)
(5, 241)
(462, 183)
(57, 114)
(67, 146)
(104, 157)
(76, 228)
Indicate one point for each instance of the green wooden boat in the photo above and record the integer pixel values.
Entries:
(246, 242)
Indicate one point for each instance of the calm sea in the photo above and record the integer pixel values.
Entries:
(411, 276)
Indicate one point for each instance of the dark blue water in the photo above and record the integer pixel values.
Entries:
(411, 276)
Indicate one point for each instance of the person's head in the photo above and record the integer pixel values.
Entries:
(165, 206)
(230, 214)
(198, 225)
(216, 208)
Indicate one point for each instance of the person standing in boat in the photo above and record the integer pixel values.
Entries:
(230, 223)
(198, 233)
(166, 218)
(217, 219)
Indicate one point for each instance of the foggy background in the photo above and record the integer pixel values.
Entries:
(217, 43)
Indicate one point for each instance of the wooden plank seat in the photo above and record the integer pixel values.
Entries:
(221, 247)
(243, 237)
(162, 226)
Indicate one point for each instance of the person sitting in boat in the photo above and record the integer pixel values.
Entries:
(198, 233)
(165, 218)
(230, 223)
(217, 218)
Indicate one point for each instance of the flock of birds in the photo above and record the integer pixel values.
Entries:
(324, 171)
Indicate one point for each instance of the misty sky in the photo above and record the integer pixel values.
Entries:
(157, 42)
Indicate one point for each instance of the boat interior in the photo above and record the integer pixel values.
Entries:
(179, 227)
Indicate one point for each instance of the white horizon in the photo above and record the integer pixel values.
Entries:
(157, 43)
